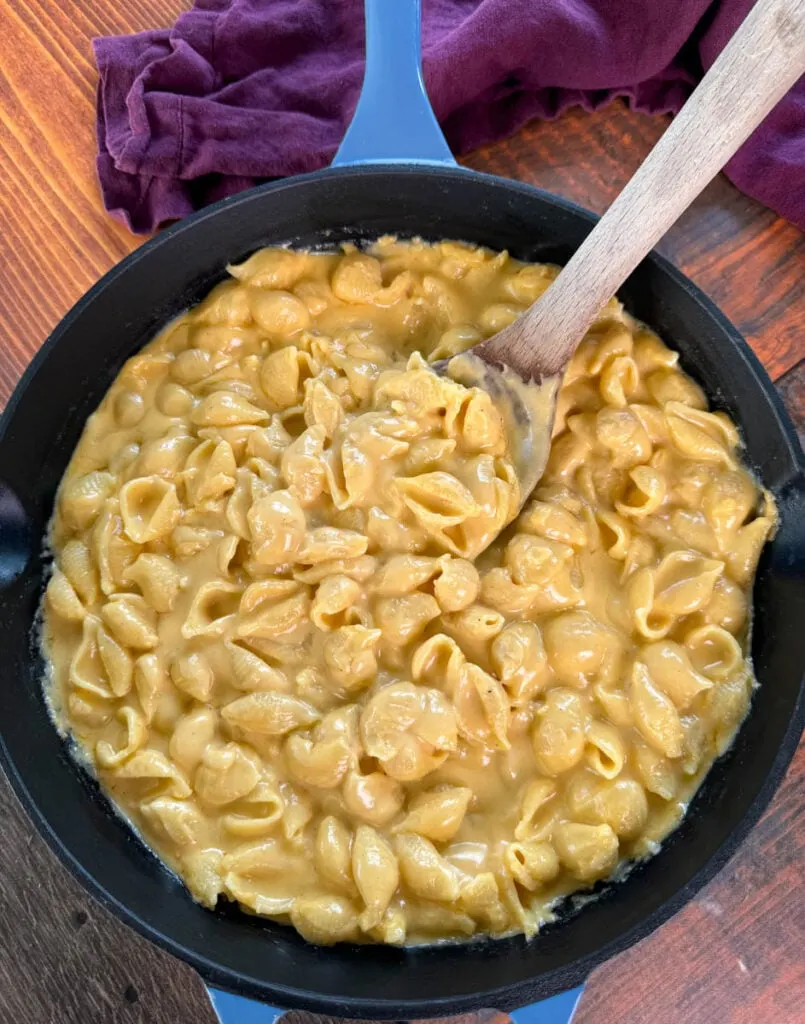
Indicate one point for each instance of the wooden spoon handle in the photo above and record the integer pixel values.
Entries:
(761, 62)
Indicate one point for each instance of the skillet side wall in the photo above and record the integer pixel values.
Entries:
(41, 427)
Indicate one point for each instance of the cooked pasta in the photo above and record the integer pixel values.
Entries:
(285, 628)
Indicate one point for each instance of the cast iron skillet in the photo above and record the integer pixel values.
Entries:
(41, 426)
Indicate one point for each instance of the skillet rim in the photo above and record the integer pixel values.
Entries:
(556, 979)
(432, 171)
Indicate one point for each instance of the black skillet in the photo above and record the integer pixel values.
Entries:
(400, 181)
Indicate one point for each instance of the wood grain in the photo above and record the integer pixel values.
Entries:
(750, 263)
(734, 954)
(769, 50)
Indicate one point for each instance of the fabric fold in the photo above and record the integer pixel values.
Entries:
(240, 91)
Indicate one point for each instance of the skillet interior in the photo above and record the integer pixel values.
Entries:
(268, 961)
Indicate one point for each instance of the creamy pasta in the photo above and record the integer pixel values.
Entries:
(283, 630)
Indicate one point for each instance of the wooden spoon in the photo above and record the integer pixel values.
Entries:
(523, 365)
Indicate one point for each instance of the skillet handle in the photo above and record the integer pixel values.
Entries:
(559, 1009)
(394, 121)
(233, 1009)
(17, 543)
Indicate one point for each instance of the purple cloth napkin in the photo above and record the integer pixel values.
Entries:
(243, 90)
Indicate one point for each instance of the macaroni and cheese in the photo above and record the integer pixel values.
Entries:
(287, 632)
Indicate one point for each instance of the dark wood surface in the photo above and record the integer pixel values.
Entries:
(734, 955)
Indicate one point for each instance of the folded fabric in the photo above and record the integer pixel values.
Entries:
(240, 91)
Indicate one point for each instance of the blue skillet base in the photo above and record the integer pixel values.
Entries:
(233, 1009)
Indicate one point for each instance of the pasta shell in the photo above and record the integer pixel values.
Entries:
(177, 820)
(520, 662)
(131, 621)
(324, 920)
(374, 798)
(619, 379)
(646, 494)
(403, 619)
(321, 764)
(410, 729)
(278, 312)
(327, 542)
(282, 375)
(654, 771)
(457, 584)
(438, 500)
(654, 714)
(747, 546)
(531, 863)
(191, 540)
(89, 710)
(403, 574)
(350, 655)
(152, 766)
(76, 563)
(558, 735)
(214, 609)
(257, 859)
(271, 268)
(149, 507)
(62, 598)
(684, 582)
(537, 794)
(671, 671)
(376, 874)
(192, 735)
(273, 620)
(200, 871)
(226, 409)
(112, 550)
(83, 497)
(582, 649)
(623, 435)
(714, 652)
(437, 814)
(158, 579)
(150, 681)
(322, 407)
(277, 527)
(259, 812)
(191, 673)
(135, 734)
(164, 457)
(438, 662)
(480, 898)
(270, 714)
(474, 628)
(87, 672)
(251, 673)
(209, 472)
(482, 709)
(424, 871)
(302, 465)
(117, 663)
(225, 774)
(333, 853)
(587, 851)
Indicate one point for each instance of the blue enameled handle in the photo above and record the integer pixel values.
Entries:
(238, 1010)
(394, 121)
(558, 1009)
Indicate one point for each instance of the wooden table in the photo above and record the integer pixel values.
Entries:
(735, 953)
